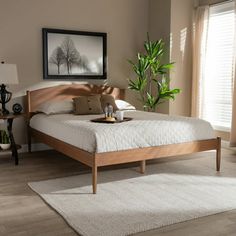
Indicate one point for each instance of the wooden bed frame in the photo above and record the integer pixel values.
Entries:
(95, 160)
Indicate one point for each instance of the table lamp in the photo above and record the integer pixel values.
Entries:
(8, 75)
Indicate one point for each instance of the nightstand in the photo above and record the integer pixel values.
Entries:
(14, 147)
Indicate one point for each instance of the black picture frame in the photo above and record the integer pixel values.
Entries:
(57, 63)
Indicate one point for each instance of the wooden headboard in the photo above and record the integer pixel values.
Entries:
(66, 92)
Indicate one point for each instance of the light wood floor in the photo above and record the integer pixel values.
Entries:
(22, 212)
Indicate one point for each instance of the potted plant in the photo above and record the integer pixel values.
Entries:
(4, 140)
(152, 82)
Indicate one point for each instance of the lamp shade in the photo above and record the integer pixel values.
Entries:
(8, 74)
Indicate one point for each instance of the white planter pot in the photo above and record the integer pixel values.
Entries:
(5, 146)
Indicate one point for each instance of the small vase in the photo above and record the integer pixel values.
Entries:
(5, 146)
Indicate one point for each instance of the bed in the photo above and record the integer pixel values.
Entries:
(147, 136)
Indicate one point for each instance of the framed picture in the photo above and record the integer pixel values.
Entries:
(73, 55)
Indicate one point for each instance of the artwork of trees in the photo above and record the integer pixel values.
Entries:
(57, 58)
(67, 55)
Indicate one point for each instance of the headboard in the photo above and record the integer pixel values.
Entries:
(66, 92)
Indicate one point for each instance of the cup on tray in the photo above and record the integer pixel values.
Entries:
(119, 115)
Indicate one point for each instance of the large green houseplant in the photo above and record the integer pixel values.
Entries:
(152, 82)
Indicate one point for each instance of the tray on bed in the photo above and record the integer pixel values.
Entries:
(103, 120)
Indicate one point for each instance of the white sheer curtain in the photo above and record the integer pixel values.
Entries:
(233, 123)
(217, 73)
(200, 27)
(201, 23)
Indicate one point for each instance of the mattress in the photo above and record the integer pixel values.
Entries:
(145, 130)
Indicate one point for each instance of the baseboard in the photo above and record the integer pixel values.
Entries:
(34, 147)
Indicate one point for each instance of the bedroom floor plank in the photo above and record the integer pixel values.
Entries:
(22, 212)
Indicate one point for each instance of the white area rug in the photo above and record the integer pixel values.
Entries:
(128, 203)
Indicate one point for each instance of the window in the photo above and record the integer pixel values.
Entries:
(217, 71)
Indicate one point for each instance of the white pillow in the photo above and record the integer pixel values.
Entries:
(123, 105)
(60, 107)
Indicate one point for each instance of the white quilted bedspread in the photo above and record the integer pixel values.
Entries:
(145, 130)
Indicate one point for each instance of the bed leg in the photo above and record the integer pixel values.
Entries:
(95, 173)
(142, 166)
(29, 139)
(218, 154)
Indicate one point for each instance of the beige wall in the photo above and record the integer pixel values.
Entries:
(181, 54)
(125, 21)
(160, 19)
(171, 20)
(159, 28)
